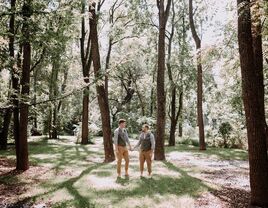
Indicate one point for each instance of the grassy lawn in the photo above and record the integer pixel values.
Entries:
(73, 175)
(220, 153)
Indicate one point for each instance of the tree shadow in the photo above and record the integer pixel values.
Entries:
(79, 201)
(158, 185)
(122, 181)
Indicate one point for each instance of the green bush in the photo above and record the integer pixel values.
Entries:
(189, 141)
(225, 130)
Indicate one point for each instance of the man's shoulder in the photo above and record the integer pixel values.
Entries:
(116, 130)
(151, 134)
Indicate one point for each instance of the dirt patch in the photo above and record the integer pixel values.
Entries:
(13, 183)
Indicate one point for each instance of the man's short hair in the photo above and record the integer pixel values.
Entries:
(146, 126)
(121, 121)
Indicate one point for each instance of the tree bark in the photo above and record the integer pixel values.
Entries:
(161, 95)
(202, 144)
(107, 65)
(173, 121)
(8, 112)
(102, 95)
(35, 98)
(253, 98)
(15, 100)
(181, 115)
(85, 116)
(173, 116)
(22, 160)
(86, 64)
(53, 92)
(4, 132)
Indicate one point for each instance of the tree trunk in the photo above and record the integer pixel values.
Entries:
(54, 133)
(22, 160)
(107, 65)
(202, 144)
(86, 64)
(173, 118)
(85, 116)
(180, 129)
(102, 95)
(152, 100)
(161, 96)
(8, 112)
(35, 98)
(253, 98)
(181, 116)
(53, 92)
(4, 132)
(15, 99)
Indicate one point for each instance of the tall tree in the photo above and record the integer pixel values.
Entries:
(53, 92)
(101, 93)
(202, 144)
(8, 112)
(86, 63)
(22, 160)
(161, 95)
(174, 112)
(250, 48)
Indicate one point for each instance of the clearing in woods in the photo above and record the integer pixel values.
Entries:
(65, 174)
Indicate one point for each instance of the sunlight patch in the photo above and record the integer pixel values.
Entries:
(101, 183)
(166, 172)
(159, 201)
(61, 195)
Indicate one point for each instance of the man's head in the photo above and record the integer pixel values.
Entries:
(145, 127)
(122, 123)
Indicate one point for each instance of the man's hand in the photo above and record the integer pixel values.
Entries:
(116, 149)
(152, 153)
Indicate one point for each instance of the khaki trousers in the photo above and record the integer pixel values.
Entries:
(122, 153)
(146, 156)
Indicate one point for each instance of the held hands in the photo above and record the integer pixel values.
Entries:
(151, 153)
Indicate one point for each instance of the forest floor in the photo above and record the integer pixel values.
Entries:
(65, 174)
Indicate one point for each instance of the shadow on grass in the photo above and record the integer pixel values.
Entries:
(79, 200)
(60, 156)
(103, 174)
(122, 181)
(221, 153)
(60, 153)
(157, 185)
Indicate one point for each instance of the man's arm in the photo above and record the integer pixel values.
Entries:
(127, 140)
(152, 141)
(116, 140)
(138, 144)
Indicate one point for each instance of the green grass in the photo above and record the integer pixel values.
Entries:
(221, 153)
(76, 190)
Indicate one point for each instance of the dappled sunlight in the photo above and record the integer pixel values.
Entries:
(75, 176)
(99, 183)
(60, 195)
(159, 201)
(161, 170)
